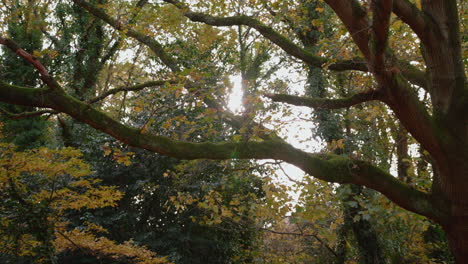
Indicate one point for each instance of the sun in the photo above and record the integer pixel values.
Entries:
(235, 97)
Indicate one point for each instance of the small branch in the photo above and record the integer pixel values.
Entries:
(154, 45)
(412, 74)
(346, 65)
(16, 195)
(319, 240)
(289, 177)
(323, 102)
(133, 88)
(16, 116)
(52, 38)
(302, 235)
(45, 76)
(139, 5)
(72, 242)
(111, 52)
(285, 233)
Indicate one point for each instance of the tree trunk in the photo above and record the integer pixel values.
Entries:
(454, 190)
(453, 199)
(403, 162)
(457, 235)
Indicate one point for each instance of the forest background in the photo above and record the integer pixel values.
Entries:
(140, 183)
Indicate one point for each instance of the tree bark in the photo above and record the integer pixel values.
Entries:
(457, 233)
(403, 162)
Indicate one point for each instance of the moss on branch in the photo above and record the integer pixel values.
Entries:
(323, 102)
(328, 167)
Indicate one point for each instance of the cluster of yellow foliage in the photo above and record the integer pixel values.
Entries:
(61, 175)
(47, 183)
(100, 246)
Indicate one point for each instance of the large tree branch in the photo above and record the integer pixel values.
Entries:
(413, 74)
(328, 167)
(354, 17)
(404, 102)
(18, 95)
(381, 11)
(398, 93)
(323, 102)
(45, 76)
(356, 64)
(410, 72)
(284, 43)
(419, 22)
(101, 97)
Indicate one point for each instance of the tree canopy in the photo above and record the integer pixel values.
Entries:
(386, 80)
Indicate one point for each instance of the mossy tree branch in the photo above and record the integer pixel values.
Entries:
(381, 11)
(356, 64)
(327, 167)
(418, 21)
(323, 102)
(101, 97)
(410, 72)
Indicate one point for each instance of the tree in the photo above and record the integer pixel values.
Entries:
(329, 129)
(438, 125)
(40, 189)
(25, 133)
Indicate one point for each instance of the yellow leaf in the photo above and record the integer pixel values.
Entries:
(107, 150)
(37, 54)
